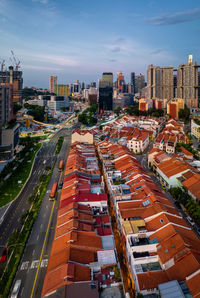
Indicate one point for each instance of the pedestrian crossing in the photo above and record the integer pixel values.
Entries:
(33, 265)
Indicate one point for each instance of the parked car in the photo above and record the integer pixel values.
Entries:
(163, 186)
(16, 289)
(4, 255)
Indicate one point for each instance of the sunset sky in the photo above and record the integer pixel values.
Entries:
(81, 39)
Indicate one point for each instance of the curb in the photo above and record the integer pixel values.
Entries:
(1, 220)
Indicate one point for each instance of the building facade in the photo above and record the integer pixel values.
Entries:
(105, 92)
(53, 83)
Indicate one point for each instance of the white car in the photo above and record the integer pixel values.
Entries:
(16, 289)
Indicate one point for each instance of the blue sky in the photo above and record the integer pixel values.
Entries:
(81, 39)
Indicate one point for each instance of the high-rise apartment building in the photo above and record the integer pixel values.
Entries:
(105, 92)
(188, 80)
(160, 82)
(168, 82)
(53, 83)
(14, 78)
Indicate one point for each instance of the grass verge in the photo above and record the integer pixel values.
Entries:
(11, 187)
(59, 144)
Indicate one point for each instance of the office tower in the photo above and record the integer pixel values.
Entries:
(93, 84)
(82, 86)
(120, 82)
(160, 82)
(133, 78)
(61, 90)
(188, 80)
(13, 77)
(107, 77)
(105, 92)
(53, 83)
(139, 83)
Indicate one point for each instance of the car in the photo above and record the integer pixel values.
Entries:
(44, 162)
(163, 186)
(61, 185)
(189, 219)
(4, 255)
(16, 289)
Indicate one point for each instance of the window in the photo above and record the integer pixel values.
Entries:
(166, 250)
(146, 203)
(161, 220)
(173, 246)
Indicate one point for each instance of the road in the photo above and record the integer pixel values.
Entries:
(33, 264)
(11, 220)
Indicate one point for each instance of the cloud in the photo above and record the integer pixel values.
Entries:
(56, 60)
(176, 18)
(112, 60)
(155, 52)
(115, 49)
(119, 40)
(40, 67)
(41, 1)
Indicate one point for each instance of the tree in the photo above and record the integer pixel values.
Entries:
(16, 108)
(118, 111)
(184, 114)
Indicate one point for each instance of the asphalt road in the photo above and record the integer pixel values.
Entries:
(33, 264)
(12, 217)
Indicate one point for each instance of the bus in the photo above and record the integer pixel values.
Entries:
(60, 165)
(53, 191)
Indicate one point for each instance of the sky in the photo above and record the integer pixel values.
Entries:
(78, 40)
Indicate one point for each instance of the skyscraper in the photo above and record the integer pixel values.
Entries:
(105, 92)
(133, 78)
(188, 80)
(160, 82)
(120, 82)
(139, 83)
(53, 83)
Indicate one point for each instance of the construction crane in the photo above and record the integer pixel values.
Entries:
(16, 63)
(2, 65)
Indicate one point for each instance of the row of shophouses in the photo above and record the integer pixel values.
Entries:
(162, 250)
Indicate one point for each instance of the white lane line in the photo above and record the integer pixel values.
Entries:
(33, 252)
(22, 291)
(41, 226)
(38, 237)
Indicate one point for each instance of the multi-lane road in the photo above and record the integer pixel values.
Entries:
(35, 258)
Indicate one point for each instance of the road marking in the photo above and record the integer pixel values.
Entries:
(41, 226)
(33, 252)
(38, 237)
(44, 263)
(22, 291)
(24, 265)
(45, 239)
(34, 264)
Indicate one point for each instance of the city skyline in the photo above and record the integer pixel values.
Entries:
(82, 40)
